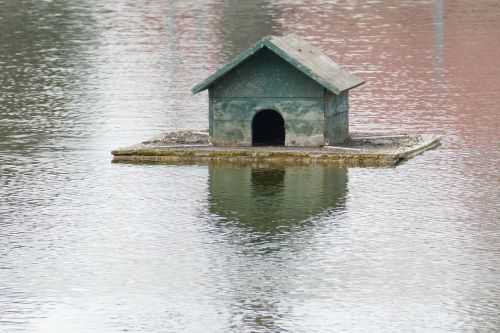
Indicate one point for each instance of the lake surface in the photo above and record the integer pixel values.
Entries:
(91, 246)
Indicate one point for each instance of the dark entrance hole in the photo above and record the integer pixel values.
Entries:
(268, 129)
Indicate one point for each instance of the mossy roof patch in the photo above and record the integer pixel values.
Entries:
(308, 59)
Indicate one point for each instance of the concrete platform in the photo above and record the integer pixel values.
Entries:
(362, 149)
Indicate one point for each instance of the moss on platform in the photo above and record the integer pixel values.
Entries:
(361, 150)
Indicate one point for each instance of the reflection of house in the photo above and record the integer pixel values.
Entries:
(280, 91)
(276, 198)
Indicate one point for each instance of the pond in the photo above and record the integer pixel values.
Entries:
(89, 245)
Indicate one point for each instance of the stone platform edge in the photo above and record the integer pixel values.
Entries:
(352, 153)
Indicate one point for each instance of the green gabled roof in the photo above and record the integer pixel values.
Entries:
(308, 59)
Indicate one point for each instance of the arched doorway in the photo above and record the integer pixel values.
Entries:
(268, 129)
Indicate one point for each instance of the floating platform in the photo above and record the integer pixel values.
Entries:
(362, 149)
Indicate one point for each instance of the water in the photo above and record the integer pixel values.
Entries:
(87, 245)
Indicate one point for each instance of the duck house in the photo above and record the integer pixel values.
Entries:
(282, 91)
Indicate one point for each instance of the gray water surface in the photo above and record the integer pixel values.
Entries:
(91, 246)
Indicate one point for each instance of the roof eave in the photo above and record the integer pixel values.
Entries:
(222, 71)
(354, 86)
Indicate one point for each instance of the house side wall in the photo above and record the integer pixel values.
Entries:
(210, 112)
(232, 120)
(336, 117)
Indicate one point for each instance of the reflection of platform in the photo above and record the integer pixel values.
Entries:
(363, 149)
(275, 199)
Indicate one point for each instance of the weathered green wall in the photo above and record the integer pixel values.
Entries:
(266, 75)
(232, 120)
(336, 117)
(210, 113)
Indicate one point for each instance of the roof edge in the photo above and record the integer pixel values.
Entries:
(268, 43)
(264, 42)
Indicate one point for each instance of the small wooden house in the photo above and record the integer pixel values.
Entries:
(280, 91)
